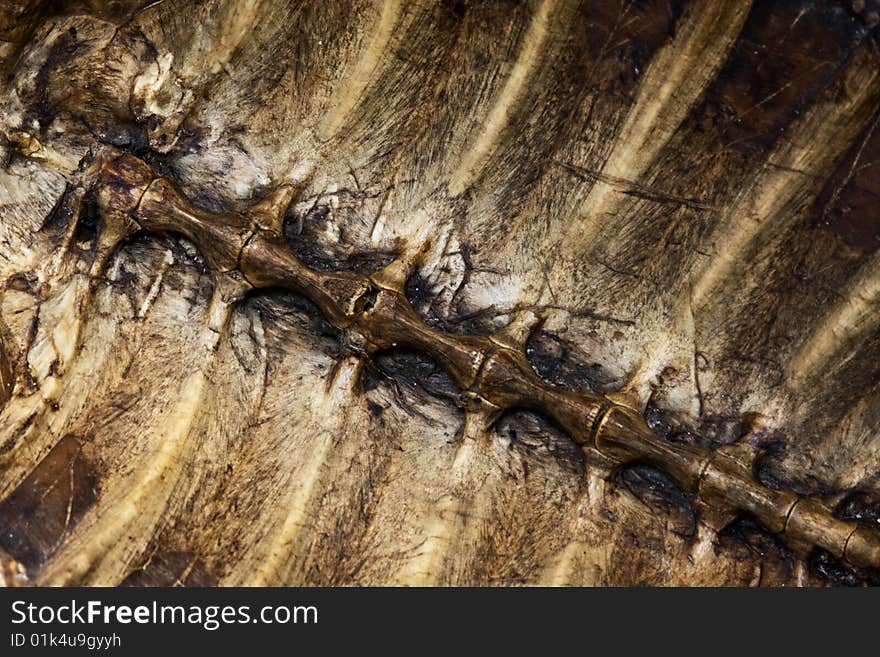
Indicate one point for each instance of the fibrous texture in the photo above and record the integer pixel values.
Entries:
(440, 293)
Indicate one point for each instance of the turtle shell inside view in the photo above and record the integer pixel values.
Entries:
(375, 292)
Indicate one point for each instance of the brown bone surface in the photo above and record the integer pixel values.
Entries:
(551, 292)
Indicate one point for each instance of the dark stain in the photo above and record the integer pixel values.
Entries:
(540, 441)
(281, 308)
(10, 442)
(367, 300)
(23, 282)
(48, 504)
(829, 569)
(867, 11)
(783, 468)
(415, 372)
(562, 363)
(41, 109)
(18, 19)
(847, 204)
(191, 139)
(305, 232)
(777, 563)
(421, 296)
(62, 213)
(641, 27)
(709, 432)
(787, 55)
(861, 507)
(725, 429)
(89, 222)
(458, 8)
(125, 135)
(660, 493)
(674, 428)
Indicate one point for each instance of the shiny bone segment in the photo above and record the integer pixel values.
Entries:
(267, 262)
(219, 237)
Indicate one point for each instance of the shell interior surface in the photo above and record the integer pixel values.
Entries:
(376, 292)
